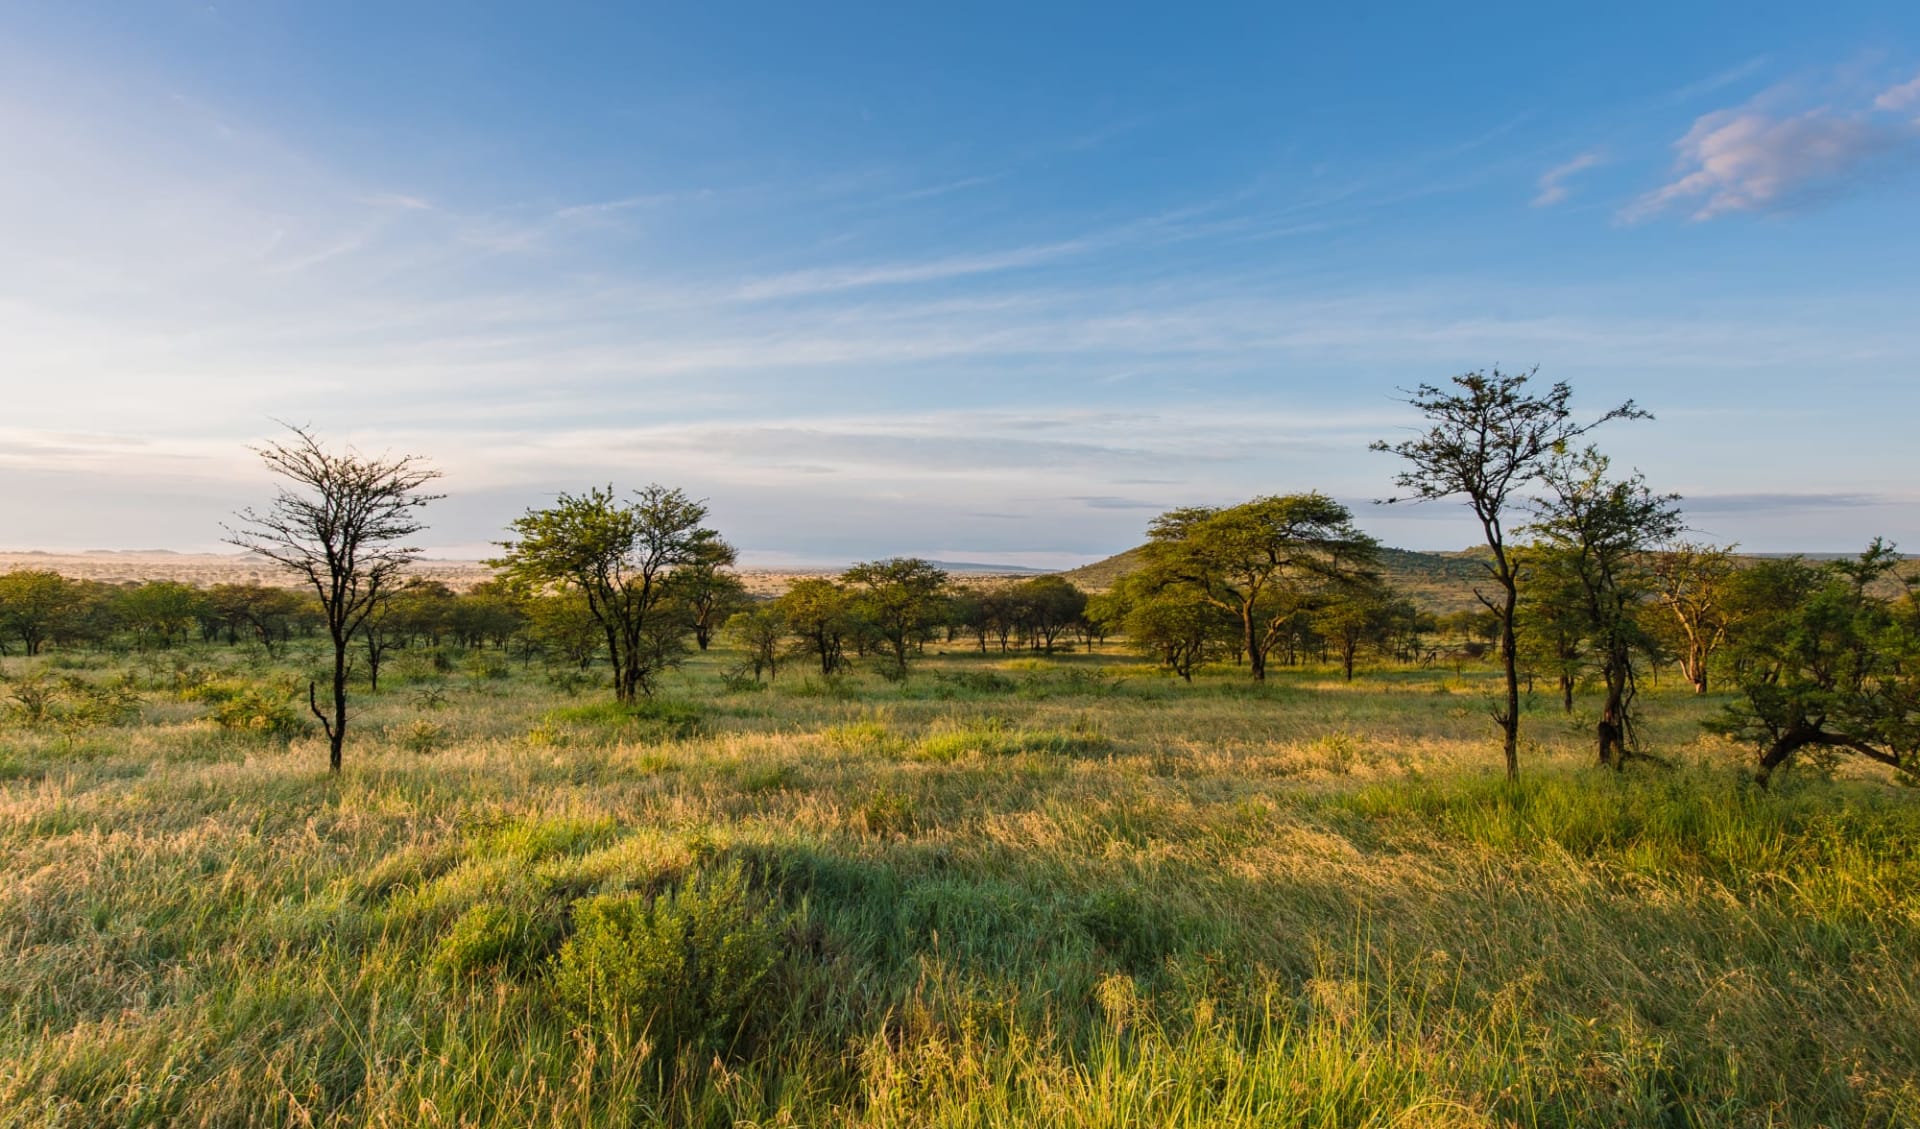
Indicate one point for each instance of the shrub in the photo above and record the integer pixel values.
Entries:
(999, 738)
(489, 667)
(685, 969)
(660, 719)
(976, 681)
(72, 702)
(477, 939)
(870, 737)
(422, 736)
(253, 712)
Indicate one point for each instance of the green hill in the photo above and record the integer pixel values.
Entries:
(1438, 582)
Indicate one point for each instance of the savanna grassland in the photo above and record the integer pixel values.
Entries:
(1064, 890)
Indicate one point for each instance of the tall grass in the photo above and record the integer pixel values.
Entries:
(1006, 893)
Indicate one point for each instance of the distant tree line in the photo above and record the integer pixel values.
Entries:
(1590, 582)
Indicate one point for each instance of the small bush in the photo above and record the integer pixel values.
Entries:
(492, 936)
(686, 969)
(422, 736)
(489, 667)
(660, 719)
(256, 713)
(71, 702)
(975, 681)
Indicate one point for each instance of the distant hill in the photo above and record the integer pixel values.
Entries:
(1437, 582)
(991, 569)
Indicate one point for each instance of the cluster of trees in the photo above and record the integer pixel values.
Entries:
(1283, 577)
(1595, 582)
(891, 609)
(39, 608)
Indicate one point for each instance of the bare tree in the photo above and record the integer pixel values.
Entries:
(340, 524)
(1488, 439)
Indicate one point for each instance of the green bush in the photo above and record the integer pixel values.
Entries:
(653, 718)
(686, 969)
(491, 935)
(254, 712)
(422, 736)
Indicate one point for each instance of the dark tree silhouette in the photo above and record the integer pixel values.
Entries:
(1488, 438)
(340, 524)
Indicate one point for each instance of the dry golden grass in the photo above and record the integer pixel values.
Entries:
(1015, 891)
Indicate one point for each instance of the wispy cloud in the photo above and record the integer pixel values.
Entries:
(1722, 79)
(1782, 502)
(1756, 159)
(1553, 182)
(645, 200)
(1905, 96)
(826, 280)
(948, 188)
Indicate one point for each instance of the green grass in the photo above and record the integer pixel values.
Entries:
(1011, 892)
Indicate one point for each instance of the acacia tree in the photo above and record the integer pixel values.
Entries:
(1693, 583)
(1169, 620)
(1260, 561)
(1552, 624)
(1598, 532)
(33, 602)
(710, 592)
(1364, 613)
(899, 598)
(341, 527)
(162, 609)
(1047, 606)
(1488, 438)
(815, 609)
(618, 556)
(1825, 663)
(760, 630)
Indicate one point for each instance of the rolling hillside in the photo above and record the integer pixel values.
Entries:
(1438, 582)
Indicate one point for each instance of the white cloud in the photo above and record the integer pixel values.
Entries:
(1894, 99)
(830, 279)
(1553, 182)
(1755, 159)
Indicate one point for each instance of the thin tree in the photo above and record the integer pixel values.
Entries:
(1489, 438)
(1694, 585)
(709, 591)
(340, 525)
(1598, 531)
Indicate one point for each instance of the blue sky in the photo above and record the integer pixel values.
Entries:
(974, 281)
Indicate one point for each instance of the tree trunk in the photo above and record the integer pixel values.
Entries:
(1788, 743)
(1256, 655)
(336, 726)
(1510, 659)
